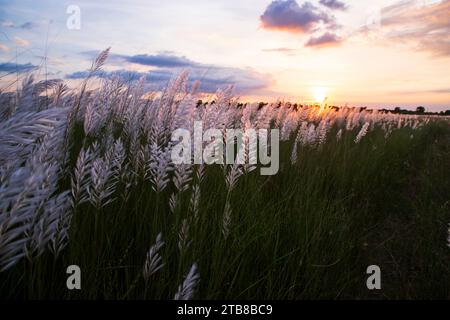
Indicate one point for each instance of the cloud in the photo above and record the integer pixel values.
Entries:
(286, 51)
(4, 48)
(26, 25)
(419, 92)
(282, 50)
(211, 77)
(446, 91)
(21, 42)
(20, 68)
(245, 81)
(161, 60)
(334, 4)
(423, 24)
(289, 16)
(7, 24)
(326, 40)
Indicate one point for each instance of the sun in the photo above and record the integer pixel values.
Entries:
(320, 94)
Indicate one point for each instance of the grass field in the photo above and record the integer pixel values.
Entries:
(86, 180)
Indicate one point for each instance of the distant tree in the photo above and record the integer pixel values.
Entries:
(397, 110)
(420, 110)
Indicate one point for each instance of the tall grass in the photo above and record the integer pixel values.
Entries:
(86, 179)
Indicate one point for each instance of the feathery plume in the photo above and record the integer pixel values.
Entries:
(153, 261)
(362, 133)
(183, 237)
(339, 135)
(187, 288)
(100, 60)
(81, 177)
(195, 201)
(159, 167)
(294, 154)
(448, 238)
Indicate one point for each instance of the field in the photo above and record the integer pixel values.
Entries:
(86, 180)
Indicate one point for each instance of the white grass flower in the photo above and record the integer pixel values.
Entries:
(153, 261)
(232, 177)
(103, 185)
(159, 167)
(302, 136)
(182, 177)
(59, 238)
(100, 60)
(17, 209)
(187, 289)
(183, 237)
(81, 177)
(200, 173)
(294, 154)
(226, 221)
(448, 238)
(173, 202)
(311, 137)
(50, 226)
(288, 127)
(362, 133)
(195, 201)
(339, 135)
(91, 119)
(23, 230)
(323, 129)
(20, 134)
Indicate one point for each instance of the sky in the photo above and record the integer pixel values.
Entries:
(378, 53)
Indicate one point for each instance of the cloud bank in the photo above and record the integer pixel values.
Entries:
(13, 67)
(167, 66)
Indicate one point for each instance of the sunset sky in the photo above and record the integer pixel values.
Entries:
(383, 53)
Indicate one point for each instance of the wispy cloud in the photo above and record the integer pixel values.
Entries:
(424, 25)
(326, 40)
(440, 91)
(21, 42)
(20, 68)
(283, 50)
(289, 52)
(7, 24)
(26, 25)
(334, 4)
(4, 48)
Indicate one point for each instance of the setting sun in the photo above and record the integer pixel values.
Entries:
(320, 94)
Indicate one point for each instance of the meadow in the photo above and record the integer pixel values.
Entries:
(86, 179)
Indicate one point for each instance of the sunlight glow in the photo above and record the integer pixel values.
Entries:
(320, 94)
